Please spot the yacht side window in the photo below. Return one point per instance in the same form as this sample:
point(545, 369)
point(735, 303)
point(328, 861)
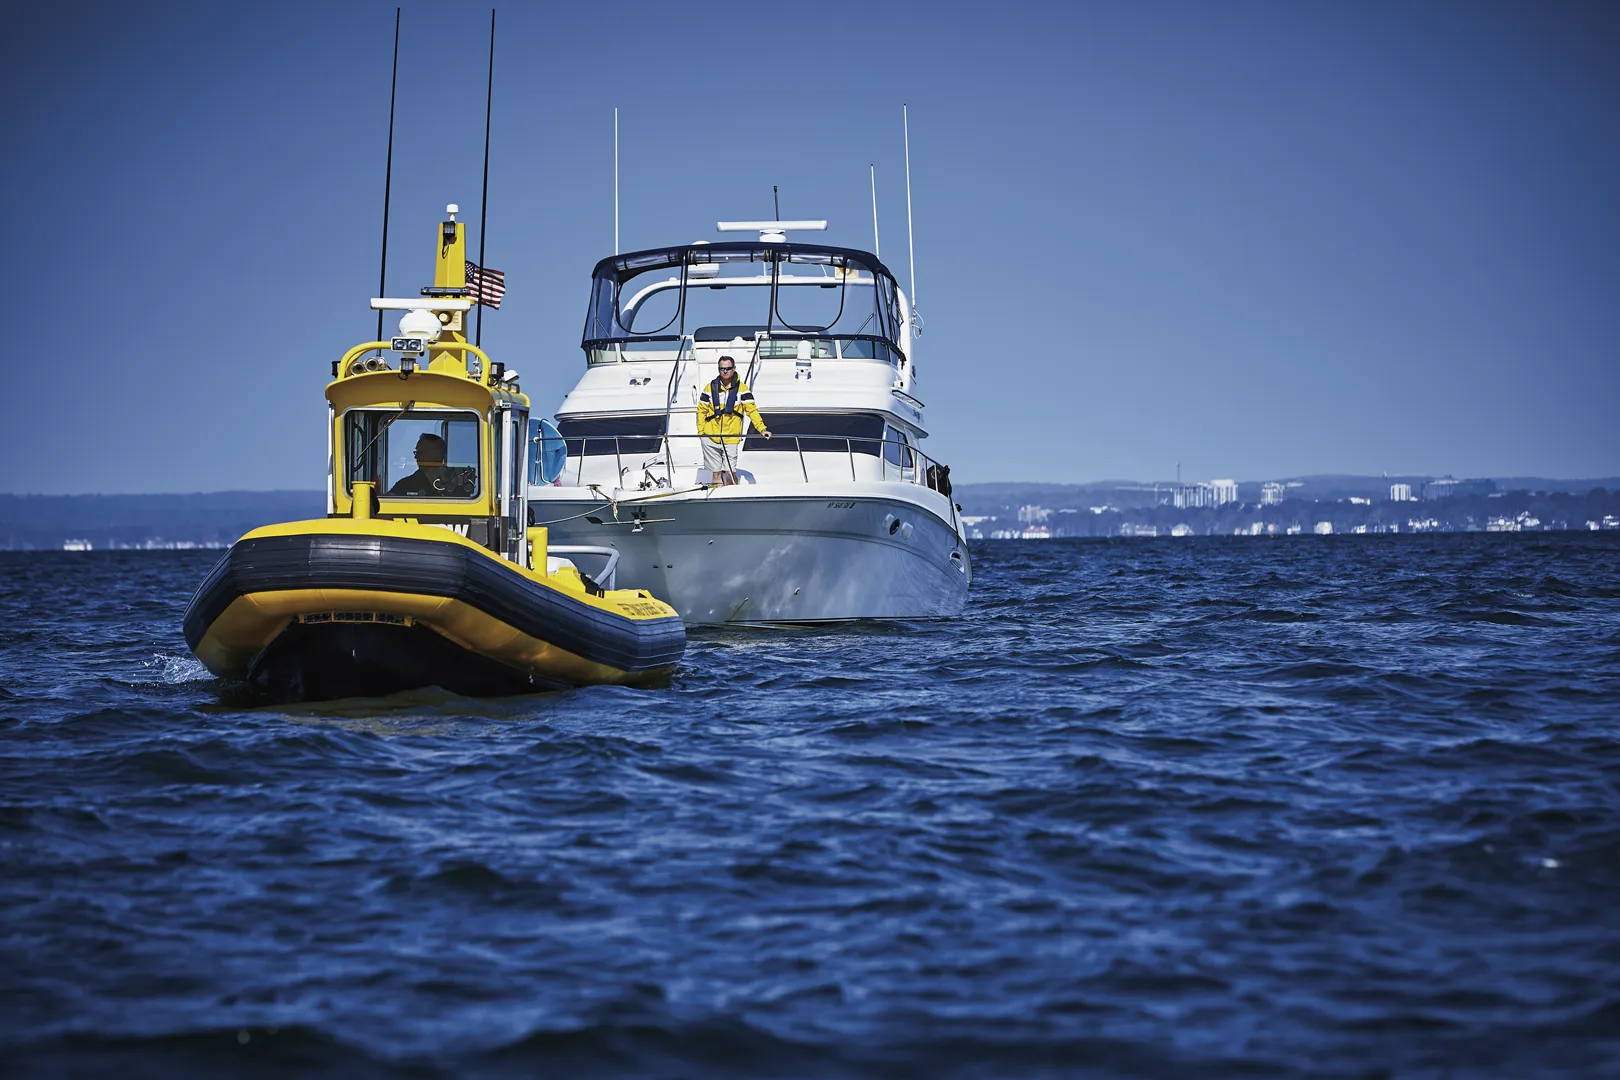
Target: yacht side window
point(420, 454)
point(897, 447)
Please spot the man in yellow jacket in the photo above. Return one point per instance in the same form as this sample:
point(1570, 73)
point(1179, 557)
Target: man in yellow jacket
point(720, 411)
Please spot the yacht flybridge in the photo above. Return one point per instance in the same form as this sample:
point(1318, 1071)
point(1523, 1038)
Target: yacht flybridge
point(840, 515)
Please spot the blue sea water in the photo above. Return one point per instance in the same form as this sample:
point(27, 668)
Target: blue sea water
point(1322, 806)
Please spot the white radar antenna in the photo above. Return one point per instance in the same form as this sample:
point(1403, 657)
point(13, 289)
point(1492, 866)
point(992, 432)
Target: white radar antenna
point(771, 232)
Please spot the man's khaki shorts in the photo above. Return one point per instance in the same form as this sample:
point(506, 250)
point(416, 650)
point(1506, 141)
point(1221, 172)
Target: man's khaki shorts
point(719, 456)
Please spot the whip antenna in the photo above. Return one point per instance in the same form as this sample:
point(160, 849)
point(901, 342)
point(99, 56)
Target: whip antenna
point(483, 211)
point(911, 244)
point(615, 180)
point(388, 175)
point(776, 202)
point(877, 245)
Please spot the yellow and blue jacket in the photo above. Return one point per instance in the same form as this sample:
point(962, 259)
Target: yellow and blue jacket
point(721, 410)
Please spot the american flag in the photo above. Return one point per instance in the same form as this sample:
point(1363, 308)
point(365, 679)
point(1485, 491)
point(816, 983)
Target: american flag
point(488, 286)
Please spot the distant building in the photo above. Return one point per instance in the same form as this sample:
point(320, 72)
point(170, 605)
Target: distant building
point(1271, 494)
point(1447, 486)
point(1443, 488)
point(1223, 491)
point(1400, 493)
point(1324, 528)
point(1192, 496)
point(1032, 514)
point(1525, 521)
point(1182, 529)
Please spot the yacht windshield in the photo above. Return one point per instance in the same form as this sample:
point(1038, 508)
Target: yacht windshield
point(644, 303)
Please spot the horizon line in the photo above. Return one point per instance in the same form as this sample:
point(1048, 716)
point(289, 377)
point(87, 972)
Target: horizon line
point(1111, 481)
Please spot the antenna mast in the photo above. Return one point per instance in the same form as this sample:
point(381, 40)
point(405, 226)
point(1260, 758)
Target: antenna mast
point(911, 245)
point(615, 180)
point(776, 203)
point(388, 176)
point(483, 211)
point(877, 245)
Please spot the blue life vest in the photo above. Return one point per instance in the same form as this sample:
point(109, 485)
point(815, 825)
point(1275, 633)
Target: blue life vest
point(730, 406)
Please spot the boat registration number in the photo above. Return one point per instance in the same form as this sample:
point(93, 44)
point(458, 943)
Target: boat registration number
point(840, 506)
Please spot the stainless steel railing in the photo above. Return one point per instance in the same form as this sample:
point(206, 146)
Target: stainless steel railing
point(909, 464)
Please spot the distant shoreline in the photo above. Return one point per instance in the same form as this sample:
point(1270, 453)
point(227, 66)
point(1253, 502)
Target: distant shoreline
point(1317, 505)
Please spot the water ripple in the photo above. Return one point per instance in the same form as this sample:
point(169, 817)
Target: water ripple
point(1334, 807)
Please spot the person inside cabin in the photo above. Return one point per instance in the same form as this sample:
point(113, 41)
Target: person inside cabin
point(721, 408)
point(429, 479)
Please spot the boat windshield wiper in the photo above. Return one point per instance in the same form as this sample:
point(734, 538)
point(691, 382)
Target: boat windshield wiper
point(359, 459)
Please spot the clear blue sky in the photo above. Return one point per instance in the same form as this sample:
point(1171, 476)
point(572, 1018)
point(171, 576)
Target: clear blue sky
point(1264, 239)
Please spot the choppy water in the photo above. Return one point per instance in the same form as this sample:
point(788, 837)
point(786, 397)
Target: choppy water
point(1322, 806)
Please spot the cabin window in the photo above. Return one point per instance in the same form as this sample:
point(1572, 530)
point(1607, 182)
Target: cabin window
point(605, 436)
point(866, 349)
point(841, 432)
point(897, 448)
point(796, 349)
point(416, 454)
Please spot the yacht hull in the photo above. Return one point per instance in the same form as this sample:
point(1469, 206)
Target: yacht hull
point(745, 555)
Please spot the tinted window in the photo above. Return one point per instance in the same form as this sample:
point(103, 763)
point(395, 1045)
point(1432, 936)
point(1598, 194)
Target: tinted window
point(896, 448)
point(607, 435)
point(863, 432)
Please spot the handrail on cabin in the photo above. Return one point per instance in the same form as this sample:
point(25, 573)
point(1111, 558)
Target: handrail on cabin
point(915, 473)
point(669, 399)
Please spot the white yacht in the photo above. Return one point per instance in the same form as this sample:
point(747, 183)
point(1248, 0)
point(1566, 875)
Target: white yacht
point(841, 515)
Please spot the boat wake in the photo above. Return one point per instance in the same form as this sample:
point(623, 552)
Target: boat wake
point(172, 669)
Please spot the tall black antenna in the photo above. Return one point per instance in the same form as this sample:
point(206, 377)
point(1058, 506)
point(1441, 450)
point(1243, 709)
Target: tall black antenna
point(388, 178)
point(483, 211)
point(776, 202)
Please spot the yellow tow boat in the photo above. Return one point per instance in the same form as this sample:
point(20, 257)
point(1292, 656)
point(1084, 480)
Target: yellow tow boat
point(426, 571)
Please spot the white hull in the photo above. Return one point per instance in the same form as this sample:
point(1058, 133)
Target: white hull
point(795, 554)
